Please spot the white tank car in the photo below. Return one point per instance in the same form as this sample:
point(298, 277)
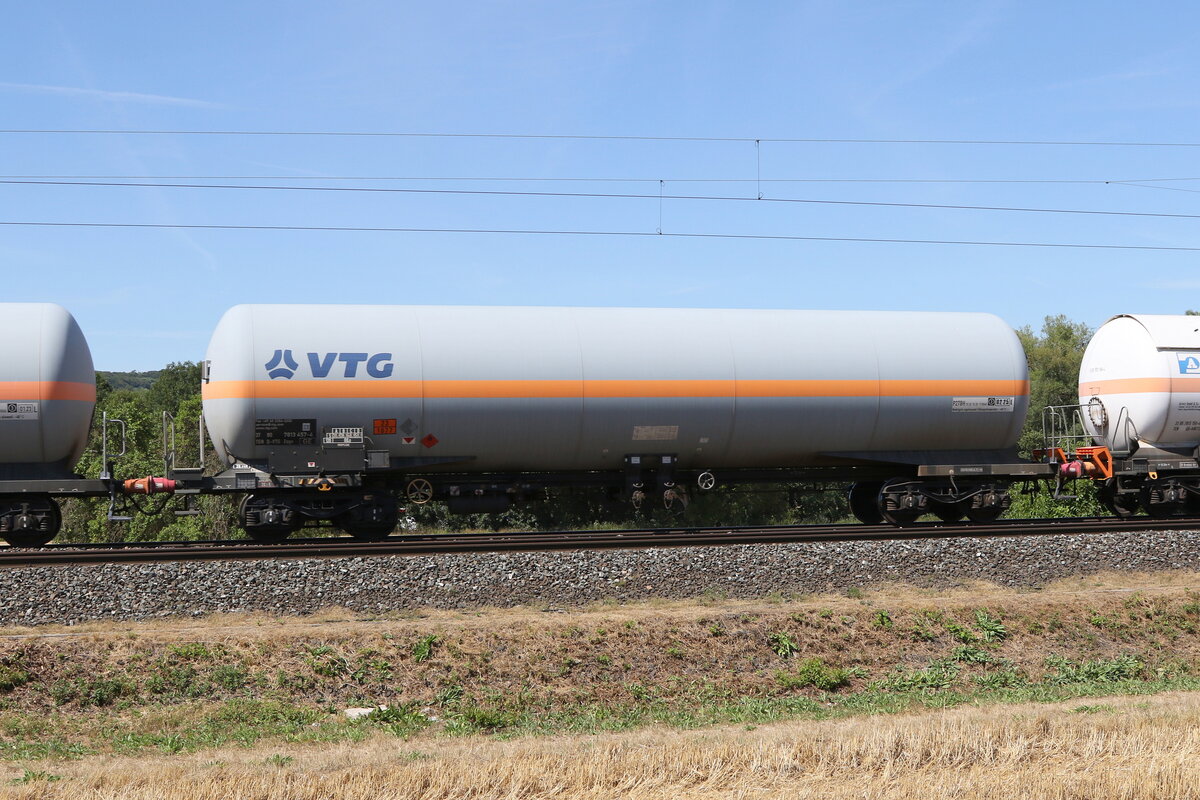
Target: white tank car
point(47, 391)
point(1139, 383)
point(578, 389)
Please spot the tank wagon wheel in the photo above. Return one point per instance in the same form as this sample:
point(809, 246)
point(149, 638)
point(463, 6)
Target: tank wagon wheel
point(369, 531)
point(864, 503)
point(373, 520)
point(949, 512)
point(989, 504)
point(264, 521)
point(985, 514)
point(1163, 498)
point(32, 539)
point(419, 491)
point(34, 525)
point(901, 501)
point(1119, 505)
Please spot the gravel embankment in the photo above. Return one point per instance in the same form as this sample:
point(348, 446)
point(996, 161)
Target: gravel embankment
point(41, 595)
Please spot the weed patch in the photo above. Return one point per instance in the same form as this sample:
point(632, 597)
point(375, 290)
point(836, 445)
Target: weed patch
point(813, 672)
point(423, 649)
point(1122, 668)
point(783, 644)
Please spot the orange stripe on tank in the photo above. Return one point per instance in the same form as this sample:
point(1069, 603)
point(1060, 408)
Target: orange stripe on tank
point(502, 389)
point(603, 387)
point(32, 391)
point(222, 390)
point(608, 388)
point(950, 388)
point(1138, 386)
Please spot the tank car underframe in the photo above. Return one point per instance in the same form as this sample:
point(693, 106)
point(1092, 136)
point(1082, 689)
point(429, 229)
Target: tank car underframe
point(902, 501)
point(272, 516)
point(29, 513)
point(366, 502)
point(1161, 487)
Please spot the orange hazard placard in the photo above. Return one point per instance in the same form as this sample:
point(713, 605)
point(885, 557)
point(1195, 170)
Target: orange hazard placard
point(384, 427)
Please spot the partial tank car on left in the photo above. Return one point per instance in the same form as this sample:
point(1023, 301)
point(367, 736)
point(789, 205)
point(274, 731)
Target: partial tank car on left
point(47, 396)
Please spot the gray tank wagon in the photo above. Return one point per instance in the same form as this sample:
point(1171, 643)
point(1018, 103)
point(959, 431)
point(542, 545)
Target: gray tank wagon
point(328, 411)
point(1136, 429)
point(47, 395)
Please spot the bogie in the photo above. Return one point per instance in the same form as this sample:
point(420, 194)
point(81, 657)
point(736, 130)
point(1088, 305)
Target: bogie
point(29, 521)
point(1122, 504)
point(902, 501)
point(1163, 498)
point(267, 520)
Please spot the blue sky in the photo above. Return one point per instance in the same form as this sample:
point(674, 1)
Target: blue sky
point(1067, 71)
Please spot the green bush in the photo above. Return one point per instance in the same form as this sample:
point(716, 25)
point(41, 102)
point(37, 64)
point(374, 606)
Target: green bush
point(191, 651)
point(1008, 678)
point(423, 648)
point(993, 629)
point(477, 719)
point(229, 677)
point(177, 681)
point(783, 644)
point(398, 719)
point(938, 675)
point(967, 654)
point(89, 692)
point(1122, 668)
point(11, 678)
point(815, 673)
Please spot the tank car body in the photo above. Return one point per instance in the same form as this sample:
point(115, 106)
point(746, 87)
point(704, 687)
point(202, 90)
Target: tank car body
point(47, 396)
point(1139, 383)
point(576, 389)
point(47, 391)
point(1139, 402)
point(320, 390)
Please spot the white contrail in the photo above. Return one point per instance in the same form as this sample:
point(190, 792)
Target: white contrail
point(120, 97)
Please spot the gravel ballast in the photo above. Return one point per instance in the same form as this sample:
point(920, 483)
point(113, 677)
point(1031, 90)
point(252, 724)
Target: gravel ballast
point(49, 595)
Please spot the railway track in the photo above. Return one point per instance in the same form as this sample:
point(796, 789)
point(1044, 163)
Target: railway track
point(432, 544)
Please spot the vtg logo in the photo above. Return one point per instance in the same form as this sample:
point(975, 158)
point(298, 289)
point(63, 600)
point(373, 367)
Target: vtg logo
point(283, 365)
point(1189, 364)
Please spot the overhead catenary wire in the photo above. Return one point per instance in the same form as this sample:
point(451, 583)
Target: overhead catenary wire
point(594, 179)
point(608, 195)
point(536, 232)
point(1142, 185)
point(596, 137)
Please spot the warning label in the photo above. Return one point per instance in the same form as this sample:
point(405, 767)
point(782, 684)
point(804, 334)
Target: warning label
point(18, 410)
point(984, 404)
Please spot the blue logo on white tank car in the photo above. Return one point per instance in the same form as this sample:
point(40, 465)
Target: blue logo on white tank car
point(283, 364)
point(1189, 363)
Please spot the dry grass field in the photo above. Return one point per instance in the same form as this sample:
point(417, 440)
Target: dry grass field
point(1086, 689)
point(1127, 748)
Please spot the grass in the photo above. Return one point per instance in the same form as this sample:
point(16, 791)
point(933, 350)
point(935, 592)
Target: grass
point(1112, 747)
point(275, 686)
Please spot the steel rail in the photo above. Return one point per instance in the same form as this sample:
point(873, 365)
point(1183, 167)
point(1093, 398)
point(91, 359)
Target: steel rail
point(432, 544)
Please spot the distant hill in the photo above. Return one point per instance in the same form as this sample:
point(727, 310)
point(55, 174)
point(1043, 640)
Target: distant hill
point(131, 380)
